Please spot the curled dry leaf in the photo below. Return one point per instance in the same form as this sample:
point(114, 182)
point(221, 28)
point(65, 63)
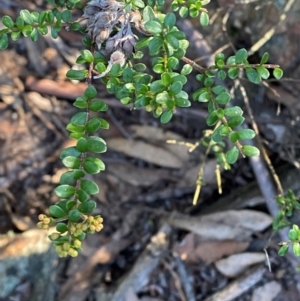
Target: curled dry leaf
point(231, 224)
point(234, 265)
point(266, 292)
point(144, 151)
point(192, 250)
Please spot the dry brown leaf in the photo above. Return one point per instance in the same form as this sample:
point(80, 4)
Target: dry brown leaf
point(130, 295)
point(144, 151)
point(138, 176)
point(231, 224)
point(152, 133)
point(159, 137)
point(234, 265)
point(266, 292)
point(191, 250)
point(209, 175)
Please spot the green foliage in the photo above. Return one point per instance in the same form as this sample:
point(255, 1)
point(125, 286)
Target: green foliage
point(160, 92)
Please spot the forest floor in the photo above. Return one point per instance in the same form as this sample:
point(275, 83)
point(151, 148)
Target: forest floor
point(155, 245)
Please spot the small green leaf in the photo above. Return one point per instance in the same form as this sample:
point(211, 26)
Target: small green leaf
point(138, 3)
point(153, 26)
point(155, 45)
point(71, 162)
point(56, 211)
point(20, 22)
point(283, 250)
point(170, 20)
point(71, 204)
point(212, 119)
point(148, 13)
point(82, 196)
point(182, 102)
point(218, 89)
point(250, 151)
point(241, 55)
point(43, 29)
point(204, 97)
point(98, 106)
point(87, 56)
point(42, 17)
point(235, 121)
point(194, 11)
point(232, 155)
point(34, 35)
point(263, 72)
point(96, 144)
point(7, 21)
point(87, 207)
point(158, 68)
point(80, 103)
point(15, 35)
point(54, 32)
point(172, 40)
point(233, 111)
point(142, 42)
point(74, 215)
point(246, 134)
point(233, 72)
point(186, 69)
point(64, 191)
point(89, 187)
point(77, 174)
point(27, 29)
point(234, 137)
point(61, 227)
point(166, 116)
point(253, 76)
point(166, 78)
point(76, 74)
point(90, 92)
point(172, 63)
point(3, 42)
point(204, 19)
point(264, 58)
point(26, 16)
point(183, 12)
point(93, 165)
point(223, 98)
point(66, 16)
point(79, 118)
point(296, 248)
point(93, 125)
point(70, 151)
point(277, 73)
point(81, 146)
point(175, 88)
point(293, 234)
point(222, 74)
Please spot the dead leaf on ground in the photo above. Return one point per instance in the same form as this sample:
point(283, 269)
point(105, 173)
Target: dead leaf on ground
point(234, 265)
point(192, 250)
point(130, 295)
point(138, 176)
point(231, 224)
point(159, 136)
point(266, 292)
point(152, 133)
point(144, 151)
point(209, 175)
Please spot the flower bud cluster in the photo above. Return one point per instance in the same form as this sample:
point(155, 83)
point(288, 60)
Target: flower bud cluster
point(70, 244)
point(44, 221)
